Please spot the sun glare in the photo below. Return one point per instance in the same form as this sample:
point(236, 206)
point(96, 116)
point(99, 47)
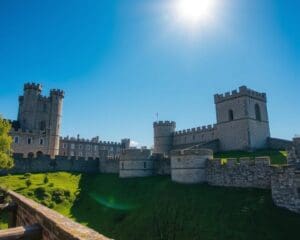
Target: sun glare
point(195, 11)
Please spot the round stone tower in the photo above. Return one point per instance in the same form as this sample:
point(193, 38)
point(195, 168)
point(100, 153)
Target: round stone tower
point(56, 98)
point(163, 137)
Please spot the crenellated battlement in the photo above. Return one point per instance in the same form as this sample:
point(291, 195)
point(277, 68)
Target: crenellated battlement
point(33, 86)
point(206, 128)
point(164, 123)
point(93, 140)
point(243, 91)
point(57, 92)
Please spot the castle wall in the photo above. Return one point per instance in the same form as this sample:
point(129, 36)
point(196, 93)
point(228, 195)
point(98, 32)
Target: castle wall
point(189, 166)
point(195, 136)
point(247, 173)
point(39, 141)
point(162, 165)
point(279, 144)
point(46, 164)
point(88, 148)
point(286, 187)
point(109, 165)
point(136, 163)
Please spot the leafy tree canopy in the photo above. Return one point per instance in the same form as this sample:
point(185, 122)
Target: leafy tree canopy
point(6, 160)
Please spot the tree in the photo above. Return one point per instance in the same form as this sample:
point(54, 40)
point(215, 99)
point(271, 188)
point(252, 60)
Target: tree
point(6, 160)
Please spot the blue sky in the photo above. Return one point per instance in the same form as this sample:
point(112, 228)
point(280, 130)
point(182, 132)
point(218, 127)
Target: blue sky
point(120, 62)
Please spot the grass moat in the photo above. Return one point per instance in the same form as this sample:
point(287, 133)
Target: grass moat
point(157, 208)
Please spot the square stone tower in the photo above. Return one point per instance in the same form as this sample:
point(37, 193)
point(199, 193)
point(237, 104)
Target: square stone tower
point(242, 120)
point(39, 120)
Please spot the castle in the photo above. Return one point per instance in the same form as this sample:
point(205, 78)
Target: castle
point(187, 156)
point(37, 129)
point(242, 124)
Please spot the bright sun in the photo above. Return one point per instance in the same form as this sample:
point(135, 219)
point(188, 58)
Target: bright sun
point(195, 11)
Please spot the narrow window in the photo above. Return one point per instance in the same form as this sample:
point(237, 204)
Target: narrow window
point(257, 112)
point(16, 140)
point(72, 146)
point(80, 146)
point(122, 165)
point(41, 141)
point(43, 125)
point(29, 140)
point(230, 115)
point(145, 164)
point(45, 107)
point(194, 137)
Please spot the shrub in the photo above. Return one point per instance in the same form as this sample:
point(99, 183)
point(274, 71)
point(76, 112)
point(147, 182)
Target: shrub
point(46, 179)
point(52, 205)
point(27, 175)
point(58, 195)
point(51, 185)
point(28, 182)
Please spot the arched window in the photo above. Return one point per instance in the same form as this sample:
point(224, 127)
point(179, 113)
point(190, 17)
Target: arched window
point(257, 112)
point(230, 115)
point(39, 154)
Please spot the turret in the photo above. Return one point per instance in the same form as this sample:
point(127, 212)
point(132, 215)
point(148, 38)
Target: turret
point(125, 143)
point(56, 100)
point(163, 137)
point(27, 105)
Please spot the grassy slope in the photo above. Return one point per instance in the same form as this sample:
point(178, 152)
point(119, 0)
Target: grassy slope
point(156, 208)
point(277, 157)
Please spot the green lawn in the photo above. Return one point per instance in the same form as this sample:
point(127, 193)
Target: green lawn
point(156, 208)
point(277, 157)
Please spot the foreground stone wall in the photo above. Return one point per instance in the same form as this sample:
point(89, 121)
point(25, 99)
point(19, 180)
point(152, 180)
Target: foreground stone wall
point(54, 225)
point(247, 173)
point(286, 187)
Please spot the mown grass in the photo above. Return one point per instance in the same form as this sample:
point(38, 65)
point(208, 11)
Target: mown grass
point(156, 208)
point(277, 157)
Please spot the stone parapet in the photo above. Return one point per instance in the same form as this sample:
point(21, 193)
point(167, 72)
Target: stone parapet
point(54, 225)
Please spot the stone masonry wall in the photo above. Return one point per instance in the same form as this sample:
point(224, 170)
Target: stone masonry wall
point(281, 144)
point(286, 187)
point(46, 164)
point(247, 173)
point(54, 225)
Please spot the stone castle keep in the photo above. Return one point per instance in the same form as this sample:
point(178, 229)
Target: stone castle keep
point(242, 124)
point(187, 155)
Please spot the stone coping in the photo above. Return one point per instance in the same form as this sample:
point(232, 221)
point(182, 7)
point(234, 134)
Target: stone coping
point(59, 223)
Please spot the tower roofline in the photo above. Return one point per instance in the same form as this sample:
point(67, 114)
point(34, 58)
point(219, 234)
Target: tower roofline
point(164, 123)
point(33, 86)
point(241, 92)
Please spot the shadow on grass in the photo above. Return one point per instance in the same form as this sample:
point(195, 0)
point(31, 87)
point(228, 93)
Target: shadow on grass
point(160, 209)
